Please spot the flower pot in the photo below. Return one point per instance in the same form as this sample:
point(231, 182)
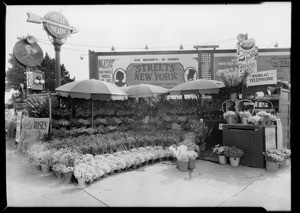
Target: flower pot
point(271, 166)
point(81, 183)
point(134, 166)
point(59, 175)
point(104, 175)
point(283, 164)
point(222, 159)
point(234, 161)
point(67, 177)
point(192, 164)
point(183, 166)
point(230, 120)
point(202, 147)
point(244, 120)
point(45, 168)
point(112, 172)
point(153, 161)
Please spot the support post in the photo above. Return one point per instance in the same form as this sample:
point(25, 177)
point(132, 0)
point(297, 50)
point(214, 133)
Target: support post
point(57, 47)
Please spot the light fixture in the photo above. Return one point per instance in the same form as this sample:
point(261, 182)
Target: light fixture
point(113, 49)
point(146, 48)
point(181, 47)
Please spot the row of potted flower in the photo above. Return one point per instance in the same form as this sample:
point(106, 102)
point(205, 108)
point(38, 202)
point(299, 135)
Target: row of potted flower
point(110, 142)
point(260, 118)
point(234, 154)
point(89, 168)
point(275, 158)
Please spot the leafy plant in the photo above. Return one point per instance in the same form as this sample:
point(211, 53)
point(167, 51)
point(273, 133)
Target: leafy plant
point(233, 152)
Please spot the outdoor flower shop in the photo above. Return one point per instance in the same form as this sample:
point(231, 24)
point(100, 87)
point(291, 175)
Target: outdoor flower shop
point(92, 139)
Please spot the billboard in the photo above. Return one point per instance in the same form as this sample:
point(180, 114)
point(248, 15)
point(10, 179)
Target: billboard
point(267, 60)
point(166, 70)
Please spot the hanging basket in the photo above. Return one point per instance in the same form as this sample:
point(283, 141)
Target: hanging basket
point(237, 106)
point(233, 101)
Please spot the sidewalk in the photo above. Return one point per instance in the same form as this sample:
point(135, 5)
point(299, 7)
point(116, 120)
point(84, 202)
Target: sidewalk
point(160, 184)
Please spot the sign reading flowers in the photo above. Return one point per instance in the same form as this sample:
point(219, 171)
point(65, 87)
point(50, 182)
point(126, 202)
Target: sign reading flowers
point(33, 129)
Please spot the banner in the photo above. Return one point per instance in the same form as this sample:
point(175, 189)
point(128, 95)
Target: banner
point(33, 129)
point(246, 54)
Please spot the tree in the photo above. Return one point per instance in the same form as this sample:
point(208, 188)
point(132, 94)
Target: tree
point(16, 75)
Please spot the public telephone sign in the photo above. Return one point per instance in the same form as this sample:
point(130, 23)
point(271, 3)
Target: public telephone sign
point(56, 25)
point(262, 78)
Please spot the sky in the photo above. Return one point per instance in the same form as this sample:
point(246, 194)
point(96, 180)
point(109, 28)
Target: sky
point(160, 27)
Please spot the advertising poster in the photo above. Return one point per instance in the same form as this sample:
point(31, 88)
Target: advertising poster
point(105, 70)
point(166, 70)
point(246, 56)
point(33, 129)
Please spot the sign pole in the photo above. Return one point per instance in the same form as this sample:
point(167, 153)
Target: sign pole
point(27, 90)
point(57, 47)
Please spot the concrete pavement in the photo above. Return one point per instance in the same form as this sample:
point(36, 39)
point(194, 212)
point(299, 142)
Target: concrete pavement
point(208, 185)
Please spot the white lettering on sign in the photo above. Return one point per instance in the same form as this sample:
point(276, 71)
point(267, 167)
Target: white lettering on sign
point(57, 18)
point(262, 78)
point(58, 30)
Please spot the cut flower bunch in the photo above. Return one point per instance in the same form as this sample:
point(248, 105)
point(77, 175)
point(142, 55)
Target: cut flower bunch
point(182, 153)
point(219, 150)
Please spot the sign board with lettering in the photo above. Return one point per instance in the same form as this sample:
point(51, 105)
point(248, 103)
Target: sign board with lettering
point(262, 78)
point(270, 137)
point(246, 56)
point(56, 25)
point(18, 125)
point(166, 70)
point(29, 55)
point(33, 129)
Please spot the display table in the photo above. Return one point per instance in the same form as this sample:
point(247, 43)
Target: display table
point(253, 140)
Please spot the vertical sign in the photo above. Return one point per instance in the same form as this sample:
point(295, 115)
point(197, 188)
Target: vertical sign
point(29, 77)
point(270, 137)
point(106, 70)
point(18, 127)
point(246, 56)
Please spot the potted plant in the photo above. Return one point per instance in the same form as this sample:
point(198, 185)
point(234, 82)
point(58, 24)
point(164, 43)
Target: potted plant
point(273, 159)
point(83, 123)
point(244, 116)
point(254, 120)
point(63, 124)
point(73, 124)
point(182, 157)
point(220, 151)
point(234, 155)
point(201, 132)
point(229, 116)
point(286, 153)
point(264, 117)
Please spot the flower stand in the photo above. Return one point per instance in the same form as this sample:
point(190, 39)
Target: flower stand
point(271, 166)
point(222, 159)
point(183, 166)
point(67, 177)
point(81, 183)
point(45, 168)
point(192, 164)
point(234, 161)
